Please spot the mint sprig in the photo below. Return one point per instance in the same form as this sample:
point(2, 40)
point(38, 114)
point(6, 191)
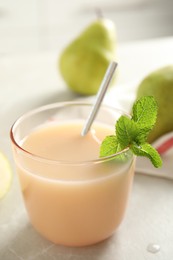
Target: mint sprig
point(132, 132)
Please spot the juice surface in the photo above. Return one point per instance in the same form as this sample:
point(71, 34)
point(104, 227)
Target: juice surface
point(78, 204)
point(64, 142)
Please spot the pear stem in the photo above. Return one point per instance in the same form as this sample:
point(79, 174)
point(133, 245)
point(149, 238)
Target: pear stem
point(101, 93)
point(99, 13)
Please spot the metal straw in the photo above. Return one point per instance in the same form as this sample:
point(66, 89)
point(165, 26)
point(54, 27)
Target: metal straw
point(101, 93)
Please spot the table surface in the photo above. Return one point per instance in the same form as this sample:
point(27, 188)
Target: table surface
point(31, 80)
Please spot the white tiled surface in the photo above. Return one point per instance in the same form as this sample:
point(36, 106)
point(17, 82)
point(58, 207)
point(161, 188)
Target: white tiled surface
point(39, 25)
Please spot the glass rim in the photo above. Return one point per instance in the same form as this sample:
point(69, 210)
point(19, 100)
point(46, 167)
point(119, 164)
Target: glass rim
point(62, 162)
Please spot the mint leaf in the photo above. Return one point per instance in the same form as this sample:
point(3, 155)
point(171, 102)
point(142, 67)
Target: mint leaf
point(132, 133)
point(148, 151)
point(142, 135)
point(110, 146)
point(126, 131)
point(144, 115)
point(145, 112)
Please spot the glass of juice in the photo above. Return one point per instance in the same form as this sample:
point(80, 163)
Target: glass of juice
point(72, 196)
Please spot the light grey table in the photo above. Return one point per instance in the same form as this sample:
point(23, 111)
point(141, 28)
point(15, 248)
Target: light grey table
point(28, 81)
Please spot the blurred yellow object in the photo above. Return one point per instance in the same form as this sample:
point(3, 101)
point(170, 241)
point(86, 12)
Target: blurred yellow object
point(5, 175)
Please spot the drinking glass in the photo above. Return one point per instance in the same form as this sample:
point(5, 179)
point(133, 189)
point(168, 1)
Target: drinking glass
point(72, 203)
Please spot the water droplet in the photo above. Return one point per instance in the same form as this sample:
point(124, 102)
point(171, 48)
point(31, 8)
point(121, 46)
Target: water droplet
point(153, 248)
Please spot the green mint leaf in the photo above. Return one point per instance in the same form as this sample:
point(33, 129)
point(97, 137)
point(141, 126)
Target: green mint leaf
point(132, 133)
point(145, 112)
point(142, 135)
point(148, 151)
point(110, 146)
point(126, 131)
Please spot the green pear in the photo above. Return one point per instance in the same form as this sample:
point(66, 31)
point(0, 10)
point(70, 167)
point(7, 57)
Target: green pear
point(83, 62)
point(160, 85)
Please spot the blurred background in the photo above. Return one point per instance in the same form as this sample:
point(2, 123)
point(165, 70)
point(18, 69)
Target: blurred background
point(43, 25)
